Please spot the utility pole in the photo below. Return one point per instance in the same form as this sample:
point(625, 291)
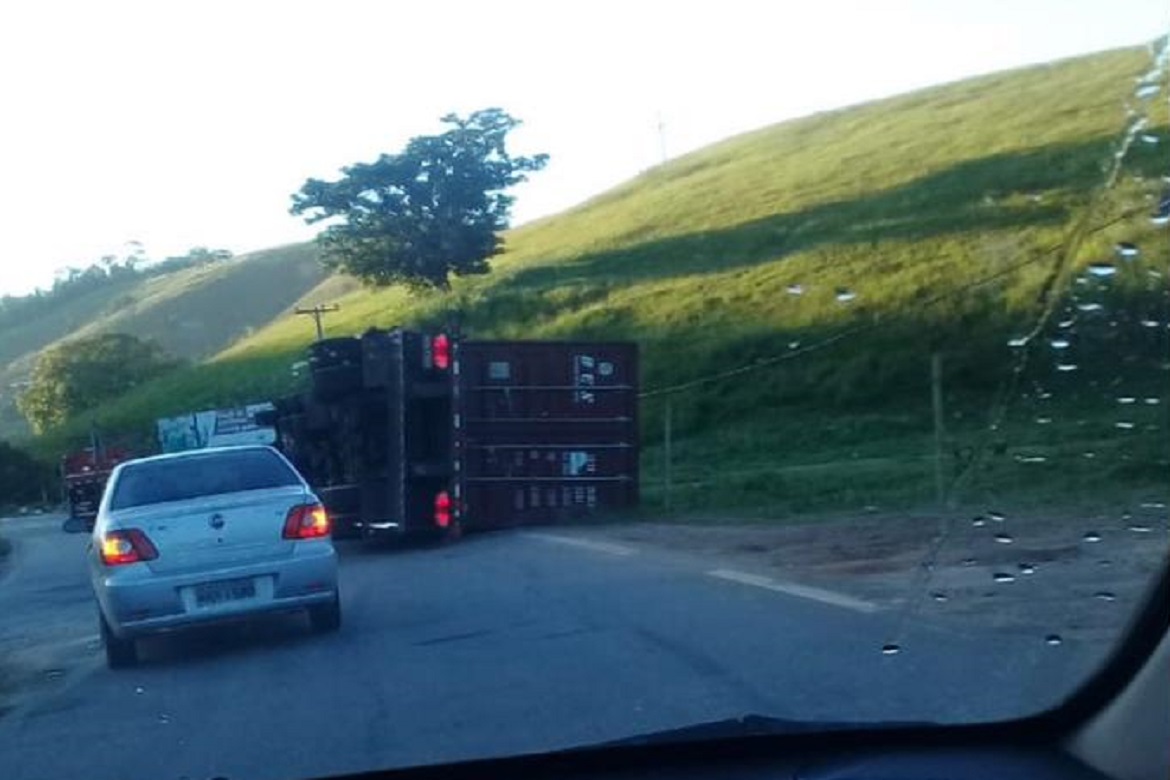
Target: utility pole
point(936, 398)
point(317, 312)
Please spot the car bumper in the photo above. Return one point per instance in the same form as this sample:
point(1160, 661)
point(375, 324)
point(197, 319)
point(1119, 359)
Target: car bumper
point(167, 603)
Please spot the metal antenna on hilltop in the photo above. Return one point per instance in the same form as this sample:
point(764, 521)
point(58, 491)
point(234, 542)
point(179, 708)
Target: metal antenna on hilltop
point(661, 138)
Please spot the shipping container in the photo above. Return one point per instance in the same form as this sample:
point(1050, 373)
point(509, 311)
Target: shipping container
point(402, 432)
point(545, 431)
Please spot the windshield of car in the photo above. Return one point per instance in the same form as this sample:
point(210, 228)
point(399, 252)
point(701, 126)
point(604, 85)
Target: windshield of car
point(655, 364)
point(177, 479)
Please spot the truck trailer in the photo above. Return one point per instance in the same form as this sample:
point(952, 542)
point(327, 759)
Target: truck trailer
point(407, 433)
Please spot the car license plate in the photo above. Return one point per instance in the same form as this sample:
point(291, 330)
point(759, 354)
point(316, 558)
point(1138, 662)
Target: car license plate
point(209, 594)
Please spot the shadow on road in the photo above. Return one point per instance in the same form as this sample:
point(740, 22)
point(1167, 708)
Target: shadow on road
point(200, 645)
point(418, 545)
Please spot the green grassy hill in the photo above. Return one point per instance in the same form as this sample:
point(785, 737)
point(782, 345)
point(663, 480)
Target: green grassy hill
point(944, 220)
point(194, 313)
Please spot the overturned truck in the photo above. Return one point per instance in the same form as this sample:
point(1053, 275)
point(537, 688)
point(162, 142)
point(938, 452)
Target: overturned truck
point(402, 432)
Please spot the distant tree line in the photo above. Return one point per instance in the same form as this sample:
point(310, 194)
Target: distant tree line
point(22, 478)
point(108, 271)
point(81, 373)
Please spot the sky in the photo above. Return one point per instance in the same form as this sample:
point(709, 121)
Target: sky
point(181, 124)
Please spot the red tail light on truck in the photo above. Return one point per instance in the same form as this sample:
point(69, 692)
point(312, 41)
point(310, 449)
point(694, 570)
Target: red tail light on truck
point(307, 521)
point(441, 352)
point(129, 546)
point(443, 509)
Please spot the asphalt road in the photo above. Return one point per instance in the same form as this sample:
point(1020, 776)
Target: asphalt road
point(505, 643)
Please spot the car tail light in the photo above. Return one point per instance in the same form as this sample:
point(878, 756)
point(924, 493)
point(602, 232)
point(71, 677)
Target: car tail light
point(443, 509)
point(441, 352)
point(129, 546)
point(307, 521)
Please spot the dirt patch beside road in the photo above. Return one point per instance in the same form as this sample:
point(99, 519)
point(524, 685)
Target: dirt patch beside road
point(1061, 575)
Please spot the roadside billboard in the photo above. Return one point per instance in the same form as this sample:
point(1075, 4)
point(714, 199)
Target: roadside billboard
point(214, 428)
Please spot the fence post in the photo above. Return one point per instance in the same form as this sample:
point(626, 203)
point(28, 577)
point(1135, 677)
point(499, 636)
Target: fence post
point(937, 403)
point(667, 456)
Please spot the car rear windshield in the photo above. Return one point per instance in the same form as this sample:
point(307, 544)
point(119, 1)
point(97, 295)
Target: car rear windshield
point(159, 481)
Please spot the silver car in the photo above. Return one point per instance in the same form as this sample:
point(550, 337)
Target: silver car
point(205, 536)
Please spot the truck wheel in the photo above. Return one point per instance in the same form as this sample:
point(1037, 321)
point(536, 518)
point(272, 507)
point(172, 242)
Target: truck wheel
point(120, 653)
point(326, 618)
point(335, 352)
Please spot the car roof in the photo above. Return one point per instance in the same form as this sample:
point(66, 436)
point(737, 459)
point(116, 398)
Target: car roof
point(200, 453)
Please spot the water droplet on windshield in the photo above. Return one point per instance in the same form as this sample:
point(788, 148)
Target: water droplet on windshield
point(1105, 595)
point(1027, 568)
point(1091, 537)
point(1065, 368)
point(1052, 640)
point(1059, 343)
point(796, 289)
point(1003, 538)
point(1102, 270)
point(1018, 341)
point(1003, 576)
point(891, 649)
point(1147, 91)
point(1127, 250)
point(1093, 306)
point(845, 296)
point(1124, 425)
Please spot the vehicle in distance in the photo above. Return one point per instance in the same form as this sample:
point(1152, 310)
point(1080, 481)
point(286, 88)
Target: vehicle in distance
point(206, 536)
point(84, 475)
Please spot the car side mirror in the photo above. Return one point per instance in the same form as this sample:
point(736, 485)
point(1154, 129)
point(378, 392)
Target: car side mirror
point(74, 525)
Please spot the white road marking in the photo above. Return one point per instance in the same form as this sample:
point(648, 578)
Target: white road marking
point(602, 547)
point(792, 589)
point(743, 578)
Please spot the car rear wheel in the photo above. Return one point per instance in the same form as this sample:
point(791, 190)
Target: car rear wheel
point(326, 618)
point(120, 653)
